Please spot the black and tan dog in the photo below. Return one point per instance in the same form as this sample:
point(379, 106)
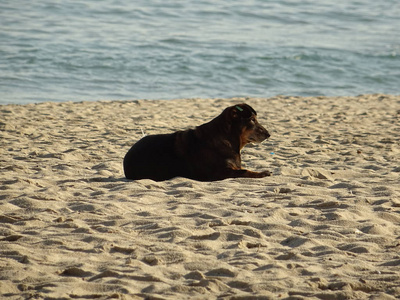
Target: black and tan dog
point(207, 153)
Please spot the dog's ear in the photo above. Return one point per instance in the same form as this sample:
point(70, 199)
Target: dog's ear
point(242, 111)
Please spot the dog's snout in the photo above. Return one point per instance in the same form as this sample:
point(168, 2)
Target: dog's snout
point(262, 131)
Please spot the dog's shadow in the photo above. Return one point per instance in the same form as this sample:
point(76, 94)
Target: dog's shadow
point(94, 179)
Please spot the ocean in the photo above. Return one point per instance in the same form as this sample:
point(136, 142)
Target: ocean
point(152, 49)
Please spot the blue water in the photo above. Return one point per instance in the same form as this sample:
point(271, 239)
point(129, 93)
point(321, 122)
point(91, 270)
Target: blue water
point(153, 49)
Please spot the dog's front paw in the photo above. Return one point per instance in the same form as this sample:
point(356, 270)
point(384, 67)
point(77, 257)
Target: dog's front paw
point(265, 173)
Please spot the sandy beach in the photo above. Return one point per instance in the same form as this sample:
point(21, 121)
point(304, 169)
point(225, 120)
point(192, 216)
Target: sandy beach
point(326, 225)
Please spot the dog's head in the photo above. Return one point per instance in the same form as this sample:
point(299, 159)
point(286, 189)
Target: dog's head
point(244, 118)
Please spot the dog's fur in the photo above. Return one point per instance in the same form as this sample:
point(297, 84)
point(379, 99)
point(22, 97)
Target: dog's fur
point(207, 153)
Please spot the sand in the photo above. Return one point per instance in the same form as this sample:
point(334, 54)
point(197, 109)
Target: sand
point(324, 226)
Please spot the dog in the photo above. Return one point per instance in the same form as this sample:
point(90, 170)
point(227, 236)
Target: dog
point(209, 152)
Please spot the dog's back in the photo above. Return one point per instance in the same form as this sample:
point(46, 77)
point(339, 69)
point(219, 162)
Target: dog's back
point(153, 157)
point(165, 156)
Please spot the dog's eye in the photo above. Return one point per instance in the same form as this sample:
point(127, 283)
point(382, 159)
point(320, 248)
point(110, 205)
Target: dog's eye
point(252, 122)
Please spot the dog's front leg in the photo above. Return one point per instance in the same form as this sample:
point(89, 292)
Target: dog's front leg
point(248, 174)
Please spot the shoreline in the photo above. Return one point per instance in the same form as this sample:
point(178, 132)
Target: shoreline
point(324, 226)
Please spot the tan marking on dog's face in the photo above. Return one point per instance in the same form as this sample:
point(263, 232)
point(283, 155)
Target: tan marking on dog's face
point(252, 132)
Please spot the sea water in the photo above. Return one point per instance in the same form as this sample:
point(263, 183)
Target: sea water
point(157, 49)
